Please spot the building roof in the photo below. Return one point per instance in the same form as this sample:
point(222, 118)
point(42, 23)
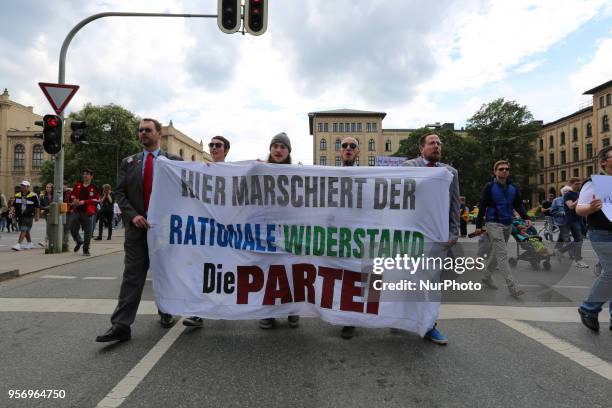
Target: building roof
point(342, 112)
point(580, 112)
point(598, 88)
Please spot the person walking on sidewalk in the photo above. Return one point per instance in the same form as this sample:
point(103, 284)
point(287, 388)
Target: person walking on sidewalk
point(219, 148)
point(600, 234)
point(573, 224)
point(27, 209)
point(498, 201)
point(133, 193)
point(105, 214)
point(85, 198)
point(46, 198)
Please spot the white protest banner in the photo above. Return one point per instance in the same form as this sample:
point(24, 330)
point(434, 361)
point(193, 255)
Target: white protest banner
point(389, 161)
point(256, 240)
point(603, 190)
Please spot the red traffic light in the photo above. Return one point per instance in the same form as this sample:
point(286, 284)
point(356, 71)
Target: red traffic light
point(52, 121)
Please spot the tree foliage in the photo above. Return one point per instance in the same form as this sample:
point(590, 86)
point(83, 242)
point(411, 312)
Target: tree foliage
point(111, 134)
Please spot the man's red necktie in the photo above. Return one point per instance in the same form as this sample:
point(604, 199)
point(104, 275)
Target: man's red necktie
point(148, 180)
point(430, 164)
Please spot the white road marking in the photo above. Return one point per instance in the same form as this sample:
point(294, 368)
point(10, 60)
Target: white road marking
point(57, 277)
point(100, 278)
point(580, 357)
point(125, 387)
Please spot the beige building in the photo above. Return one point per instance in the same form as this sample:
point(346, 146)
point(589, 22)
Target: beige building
point(21, 154)
point(568, 147)
point(176, 142)
point(328, 128)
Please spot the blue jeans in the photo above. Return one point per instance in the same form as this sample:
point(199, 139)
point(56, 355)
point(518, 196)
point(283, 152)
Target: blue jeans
point(574, 248)
point(601, 291)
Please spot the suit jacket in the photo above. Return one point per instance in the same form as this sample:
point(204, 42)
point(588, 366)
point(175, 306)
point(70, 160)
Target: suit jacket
point(130, 193)
point(453, 192)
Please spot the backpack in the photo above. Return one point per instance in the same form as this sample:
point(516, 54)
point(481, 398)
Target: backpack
point(557, 211)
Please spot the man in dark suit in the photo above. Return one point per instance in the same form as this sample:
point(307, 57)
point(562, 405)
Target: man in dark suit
point(430, 147)
point(132, 194)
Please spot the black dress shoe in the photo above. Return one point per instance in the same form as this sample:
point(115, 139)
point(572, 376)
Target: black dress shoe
point(167, 320)
point(589, 321)
point(98, 239)
point(78, 246)
point(115, 333)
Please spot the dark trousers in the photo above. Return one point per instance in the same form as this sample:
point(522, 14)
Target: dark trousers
point(81, 220)
point(573, 248)
point(136, 265)
point(463, 227)
point(105, 218)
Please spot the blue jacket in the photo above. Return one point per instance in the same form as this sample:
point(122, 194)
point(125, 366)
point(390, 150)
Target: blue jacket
point(498, 203)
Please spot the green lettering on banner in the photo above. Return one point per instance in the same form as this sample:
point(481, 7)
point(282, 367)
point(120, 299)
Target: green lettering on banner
point(293, 239)
point(318, 245)
point(331, 241)
point(344, 244)
point(384, 246)
point(397, 242)
point(418, 244)
point(358, 237)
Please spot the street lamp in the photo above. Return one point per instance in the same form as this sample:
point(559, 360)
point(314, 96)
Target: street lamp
point(86, 142)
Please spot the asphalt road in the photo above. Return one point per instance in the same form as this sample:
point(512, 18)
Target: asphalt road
point(235, 364)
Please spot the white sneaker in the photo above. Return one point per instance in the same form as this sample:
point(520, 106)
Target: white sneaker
point(28, 246)
point(16, 247)
point(580, 264)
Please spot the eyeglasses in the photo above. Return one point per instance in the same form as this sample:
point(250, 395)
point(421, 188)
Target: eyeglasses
point(503, 169)
point(215, 145)
point(351, 145)
point(145, 130)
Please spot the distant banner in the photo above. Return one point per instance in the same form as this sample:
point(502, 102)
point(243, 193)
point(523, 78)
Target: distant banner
point(253, 240)
point(388, 161)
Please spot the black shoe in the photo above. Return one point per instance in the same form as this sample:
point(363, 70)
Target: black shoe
point(98, 239)
point(167, 320)
point(294, 320)
point(78, 246)
point(86, 252)
point(266, 323)
point(115, 333)
point(347, 332)
point(589, 321)
point(193, 321)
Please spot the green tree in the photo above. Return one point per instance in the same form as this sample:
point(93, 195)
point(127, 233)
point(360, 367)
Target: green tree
point(459, 151)
point(111, 134)
point(505, 130)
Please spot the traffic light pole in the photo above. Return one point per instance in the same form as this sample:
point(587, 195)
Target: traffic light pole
point(56, 235)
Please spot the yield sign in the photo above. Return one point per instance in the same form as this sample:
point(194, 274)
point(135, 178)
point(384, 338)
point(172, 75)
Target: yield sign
point(58, 95)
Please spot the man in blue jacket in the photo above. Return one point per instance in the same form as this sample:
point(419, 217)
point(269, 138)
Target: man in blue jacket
point(498, 200)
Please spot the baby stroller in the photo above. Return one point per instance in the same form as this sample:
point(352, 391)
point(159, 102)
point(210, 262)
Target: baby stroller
point(528, 240)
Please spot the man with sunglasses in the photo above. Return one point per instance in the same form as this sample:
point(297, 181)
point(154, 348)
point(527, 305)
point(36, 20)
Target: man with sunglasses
point(219, 148)
point(133, 193)
point(430, 147)
point(498, 201)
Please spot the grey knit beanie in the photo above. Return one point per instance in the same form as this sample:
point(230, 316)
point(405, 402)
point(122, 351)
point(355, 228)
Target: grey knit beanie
point(281, 138)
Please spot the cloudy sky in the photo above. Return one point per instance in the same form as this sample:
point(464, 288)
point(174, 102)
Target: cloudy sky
point(419, 61)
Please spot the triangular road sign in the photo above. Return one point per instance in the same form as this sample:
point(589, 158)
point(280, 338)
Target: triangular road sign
point(58, 95)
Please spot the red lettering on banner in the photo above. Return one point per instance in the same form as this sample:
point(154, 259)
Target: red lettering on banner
point(373, 295)
point(330, 275)
point(350, 290)
point(277, 277)
point(304, 276)
point(246, 285)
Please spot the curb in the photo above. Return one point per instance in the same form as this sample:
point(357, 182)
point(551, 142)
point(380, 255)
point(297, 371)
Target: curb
point(5, 275)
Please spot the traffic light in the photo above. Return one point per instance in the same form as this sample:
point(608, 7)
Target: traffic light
point(256, 16)
point(78, 131)
point(228, 15)
point(52, 134)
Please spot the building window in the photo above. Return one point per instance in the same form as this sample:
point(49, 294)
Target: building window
point(388, 146)
point(368, 127)
point(335, 127)
point(337, 145)
point(576, 173)
point(323, 144)
point(562, 141)
point(541, 179)
point(589, 132)
point(359, 127)
point(551, 141)
point(601, 102)
point(320, 127)
point(374, 127)
point(193, 157)
point(563, 157)
point(347, 127)
point(181, 153)
point(589, 151)
point(552, 177)
point(605, 123)
point(353, 127)
point(551, 159)
point(371, 145)
point(609, 99)
point(338, 162)
point(541, 162)
point(357, 161)
point(541, 144)
point(371, 161)
point(326, 127)
point(340, 127)
point(576, 154)
point(19, 163)
point(37, 157)
point(563, 175)
point(323, 160)
point(605, 142)
point(589, 171)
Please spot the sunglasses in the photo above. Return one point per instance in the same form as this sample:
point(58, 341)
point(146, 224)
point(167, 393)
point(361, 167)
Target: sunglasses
point(145, 130)
point(215, 145)
point(351, 145)
point(503, 169)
